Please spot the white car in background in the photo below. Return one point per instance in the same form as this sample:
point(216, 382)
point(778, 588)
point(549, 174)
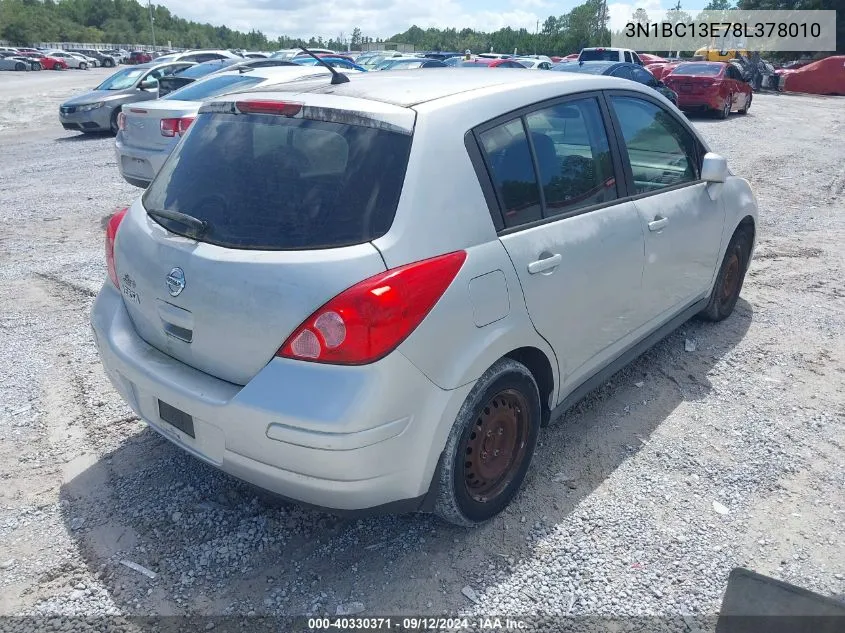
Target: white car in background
point(535, 63)
point(91, 61)
point(198, 56)
point(72, 60)
point(148, 132)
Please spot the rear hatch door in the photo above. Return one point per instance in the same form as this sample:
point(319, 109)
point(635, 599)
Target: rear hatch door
point(291, 204)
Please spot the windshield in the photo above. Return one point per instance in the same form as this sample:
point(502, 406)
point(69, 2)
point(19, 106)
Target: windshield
point(122, 79)
point(599, 54)
point(279, 183)
point(705, 70)
point(284, 54)
point(212, 87)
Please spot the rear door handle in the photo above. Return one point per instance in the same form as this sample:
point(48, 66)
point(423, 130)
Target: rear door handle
point(545, 264)
point(658, 223)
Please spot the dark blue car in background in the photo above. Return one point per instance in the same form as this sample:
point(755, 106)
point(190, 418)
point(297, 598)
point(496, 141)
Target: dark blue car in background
point(625, 70)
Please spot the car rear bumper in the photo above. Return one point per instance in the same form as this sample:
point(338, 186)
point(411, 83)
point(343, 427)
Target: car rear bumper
point(139, 165)
point(699, 102)
point(344, 438)
point(98, 120)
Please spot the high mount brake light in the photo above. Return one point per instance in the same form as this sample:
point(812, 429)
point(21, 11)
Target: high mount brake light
point(366, 322)
point(267, 106)
point(111, 234)
point(175, 127)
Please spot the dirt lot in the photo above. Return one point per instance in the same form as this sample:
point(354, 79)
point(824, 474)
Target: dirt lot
point(640, 501)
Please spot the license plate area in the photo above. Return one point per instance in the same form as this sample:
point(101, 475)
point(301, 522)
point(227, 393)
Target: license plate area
point(176, 418)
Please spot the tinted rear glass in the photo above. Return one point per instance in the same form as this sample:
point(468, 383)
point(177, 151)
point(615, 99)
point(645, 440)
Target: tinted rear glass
point(276, 183)
point(706, 70)
point(599, 55)
point(577, 67)
point(201, 70)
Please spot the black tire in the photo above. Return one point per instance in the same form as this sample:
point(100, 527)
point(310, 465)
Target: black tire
point(20, 66)
point(725, 112)
point(113, 121)
point(108, 63)
point(506, 402)
point(83, 66)
point(729, 281)
point(747, 105)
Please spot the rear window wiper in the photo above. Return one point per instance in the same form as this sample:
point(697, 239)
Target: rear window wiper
point(198, 227)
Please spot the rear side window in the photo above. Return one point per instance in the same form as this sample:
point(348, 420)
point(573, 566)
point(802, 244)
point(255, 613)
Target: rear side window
point(573, 156)
point(661, 151)
point(276, 183)
point(509, 158)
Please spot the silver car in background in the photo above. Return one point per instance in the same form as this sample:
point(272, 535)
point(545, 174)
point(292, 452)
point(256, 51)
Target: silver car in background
point(373, 294)
point(97, 110)
point(148, 132)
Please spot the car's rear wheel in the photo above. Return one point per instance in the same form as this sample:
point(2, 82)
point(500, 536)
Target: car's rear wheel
point(490, 446)
point(83, 66)
point(747, 105)
point(37, 66)
point(731, 275)
point(108, 63)
point(725, 112)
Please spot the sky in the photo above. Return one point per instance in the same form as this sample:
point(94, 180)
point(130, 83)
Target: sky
point(383, 18)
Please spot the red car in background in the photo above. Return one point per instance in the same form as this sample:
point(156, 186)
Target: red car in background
point(486, 62)
point(710, 86)
point(661, 69)
point(823, 77)
point(139, 57)
point(648, 58)
point(47, 62)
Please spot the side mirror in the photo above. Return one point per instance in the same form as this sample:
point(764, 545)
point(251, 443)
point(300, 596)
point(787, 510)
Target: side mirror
point(148, 84)
point(714, 168)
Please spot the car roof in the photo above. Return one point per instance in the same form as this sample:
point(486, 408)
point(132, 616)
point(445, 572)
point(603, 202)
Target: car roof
point(406, 88)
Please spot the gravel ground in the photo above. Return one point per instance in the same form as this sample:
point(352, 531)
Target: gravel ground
point(641, 499)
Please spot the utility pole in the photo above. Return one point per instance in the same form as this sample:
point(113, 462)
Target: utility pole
point(152, 22)
point(536, 37)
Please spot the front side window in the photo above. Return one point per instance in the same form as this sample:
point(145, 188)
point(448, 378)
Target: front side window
point(573, 156)
point(509, 158)
point(662, 153)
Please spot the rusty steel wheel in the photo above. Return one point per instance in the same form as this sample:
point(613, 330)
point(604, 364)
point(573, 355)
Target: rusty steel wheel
point(731, 278)
point(489, 448)
point(495, 448)
point(728, 283)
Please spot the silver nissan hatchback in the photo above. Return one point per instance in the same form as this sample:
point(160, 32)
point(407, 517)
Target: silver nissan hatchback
point(373, 294)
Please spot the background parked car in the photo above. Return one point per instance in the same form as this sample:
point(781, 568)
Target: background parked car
point(148, 132)
point(710, 86)
point(534, 63)
point(623, 70)
point(32, 63)
point(48, 62)
point(97, 111)
point(139, 57)
point(490, 62)
point(823, 77)
point(90, 61)
point(608, 54)
point(198, 56)
point(661, 69)
point(71, 60)
point(173, 82)
point(10, 61)
point(407, 63)
point(103, 59)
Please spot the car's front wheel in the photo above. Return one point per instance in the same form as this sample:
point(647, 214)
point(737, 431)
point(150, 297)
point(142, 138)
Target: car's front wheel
point(20, 66)
point(490, 446)
point(731, 275)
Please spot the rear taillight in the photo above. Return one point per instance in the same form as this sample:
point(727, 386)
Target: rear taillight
point(111, 233)
point(121, 121)
point(369, 320)
point(175, 127)
point(266, 106)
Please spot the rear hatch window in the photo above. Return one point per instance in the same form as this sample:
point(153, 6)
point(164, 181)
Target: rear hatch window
point(271, 182)
point(599, 54)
